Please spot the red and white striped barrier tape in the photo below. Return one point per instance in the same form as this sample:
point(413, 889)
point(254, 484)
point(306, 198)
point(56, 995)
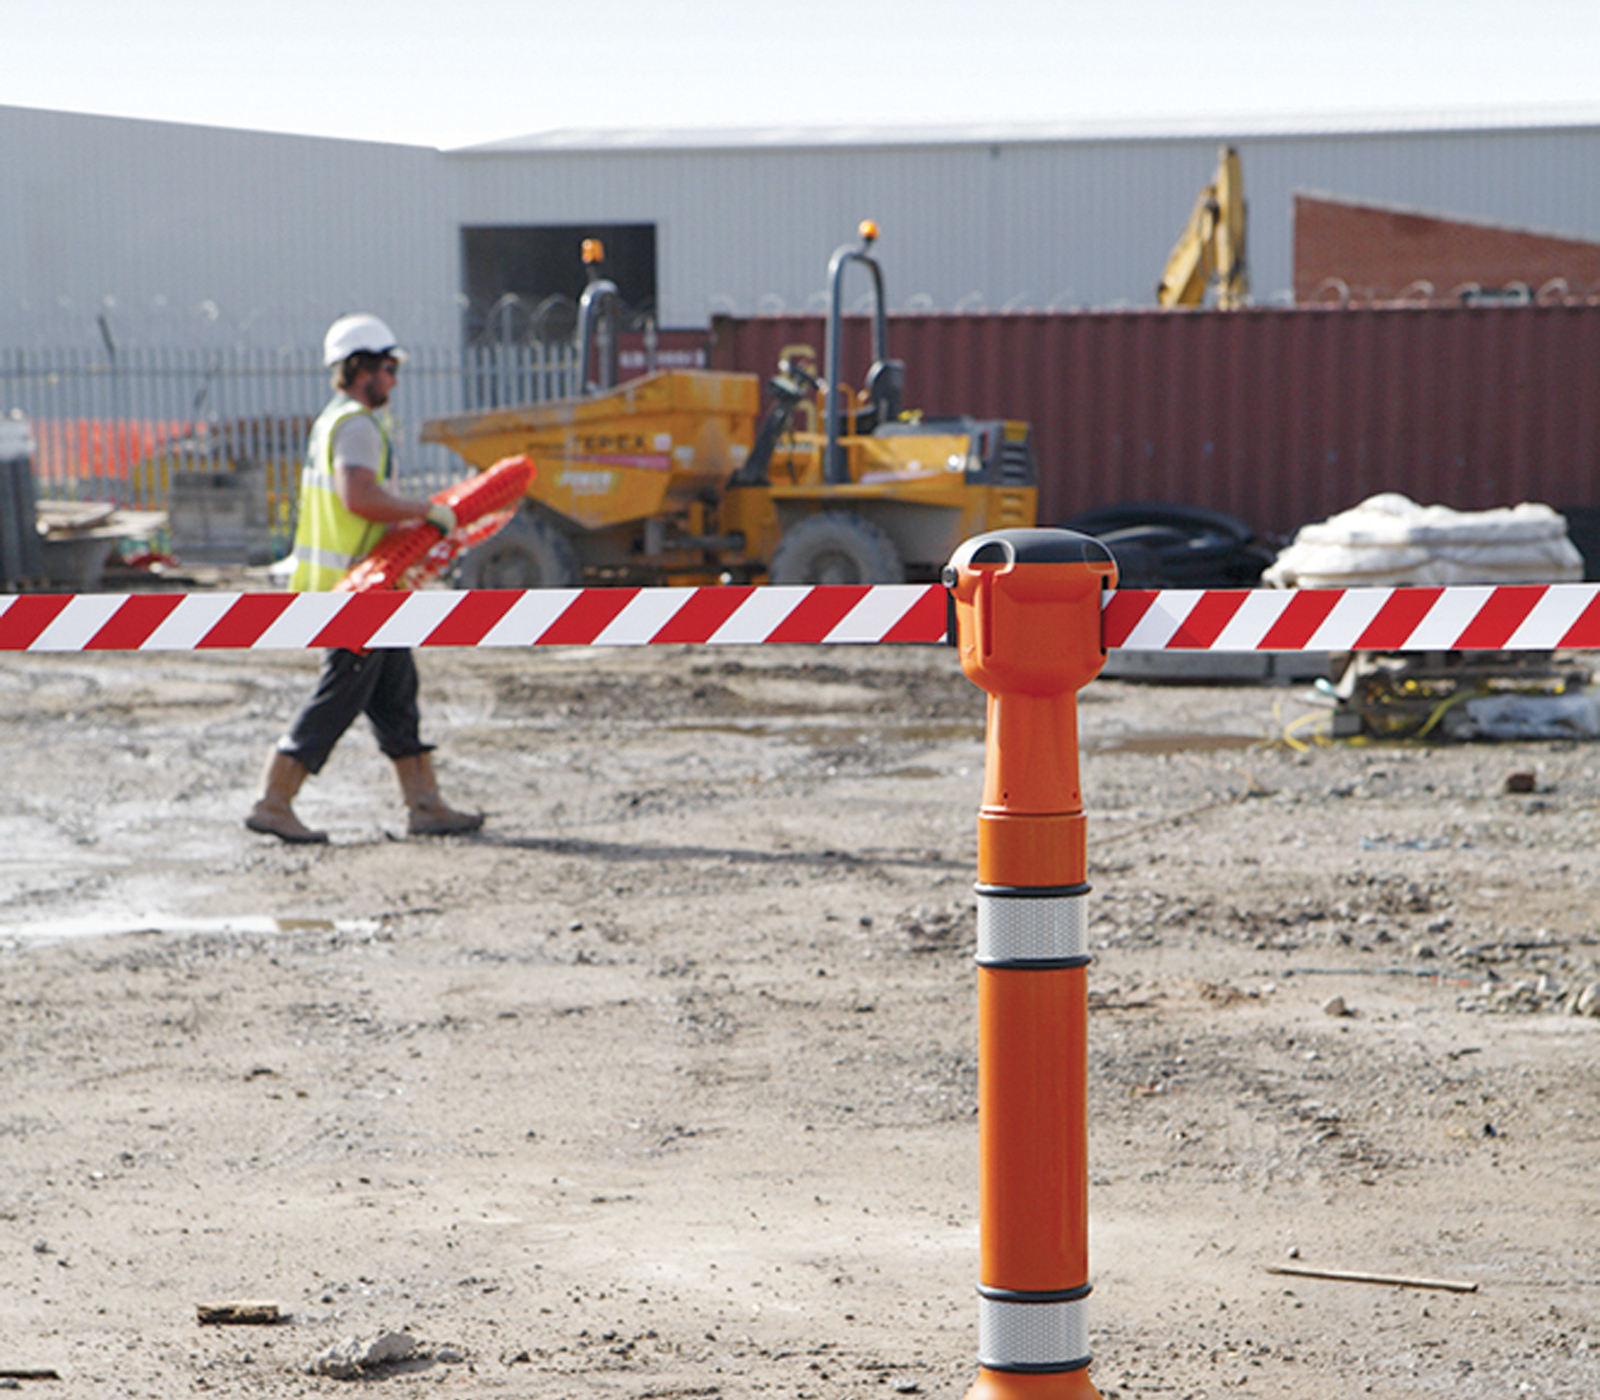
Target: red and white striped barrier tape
point(1522, 617)
point(1471, 618)
point(479, 618)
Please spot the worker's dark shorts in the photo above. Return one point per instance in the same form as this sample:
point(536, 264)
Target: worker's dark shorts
point(381, 684)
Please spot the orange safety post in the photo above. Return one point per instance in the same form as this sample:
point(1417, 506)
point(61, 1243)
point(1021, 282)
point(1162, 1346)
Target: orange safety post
point(1027, 622)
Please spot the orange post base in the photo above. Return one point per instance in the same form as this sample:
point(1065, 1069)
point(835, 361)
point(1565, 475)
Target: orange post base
point(1017, 1385)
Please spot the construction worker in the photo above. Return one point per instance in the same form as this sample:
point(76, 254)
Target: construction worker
point(347, 504)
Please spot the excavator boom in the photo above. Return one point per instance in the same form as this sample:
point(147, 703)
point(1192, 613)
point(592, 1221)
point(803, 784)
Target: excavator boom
point(1210, 252)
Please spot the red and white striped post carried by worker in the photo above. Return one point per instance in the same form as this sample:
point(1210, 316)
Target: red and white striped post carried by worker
point(1470, 618)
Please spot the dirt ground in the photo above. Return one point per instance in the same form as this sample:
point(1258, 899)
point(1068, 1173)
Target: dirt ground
point(665, 1085)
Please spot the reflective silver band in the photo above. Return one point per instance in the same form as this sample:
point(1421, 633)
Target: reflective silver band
point(1052, 929)
point(1033, 1336)
point(324, 558)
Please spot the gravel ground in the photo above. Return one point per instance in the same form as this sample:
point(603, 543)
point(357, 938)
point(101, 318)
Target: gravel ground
point(665, 1085)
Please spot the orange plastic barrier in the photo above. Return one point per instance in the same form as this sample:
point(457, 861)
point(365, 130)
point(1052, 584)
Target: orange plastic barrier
point(105, 450)
point(1027, 606)
point(408, 556)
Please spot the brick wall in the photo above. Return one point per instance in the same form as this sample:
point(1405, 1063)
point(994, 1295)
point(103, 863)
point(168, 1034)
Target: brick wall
point(1379, 253)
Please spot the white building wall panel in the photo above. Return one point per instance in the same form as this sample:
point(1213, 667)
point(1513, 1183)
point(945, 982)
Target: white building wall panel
point(191, 236)
point(1012, 224)
point(752, 231)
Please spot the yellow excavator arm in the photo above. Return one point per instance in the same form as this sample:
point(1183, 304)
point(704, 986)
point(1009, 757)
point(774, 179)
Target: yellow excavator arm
point(1210, 251)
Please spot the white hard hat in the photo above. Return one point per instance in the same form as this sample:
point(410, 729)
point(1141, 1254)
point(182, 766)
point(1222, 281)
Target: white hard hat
point(351, 334)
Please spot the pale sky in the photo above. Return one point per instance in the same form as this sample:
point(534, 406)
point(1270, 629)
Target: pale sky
point(452, 73)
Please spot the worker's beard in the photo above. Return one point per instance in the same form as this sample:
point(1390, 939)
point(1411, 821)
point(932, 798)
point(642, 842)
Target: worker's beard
point(373, 394)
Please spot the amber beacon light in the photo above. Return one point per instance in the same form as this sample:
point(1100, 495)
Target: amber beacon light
point(1027, 620)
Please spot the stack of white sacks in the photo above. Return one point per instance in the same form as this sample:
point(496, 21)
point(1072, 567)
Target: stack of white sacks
point(1390, 540)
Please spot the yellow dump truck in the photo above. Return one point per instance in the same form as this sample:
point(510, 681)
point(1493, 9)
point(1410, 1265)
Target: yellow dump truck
point(670, 478)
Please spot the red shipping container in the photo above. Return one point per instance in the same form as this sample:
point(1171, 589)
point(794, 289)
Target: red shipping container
point(1279, 416)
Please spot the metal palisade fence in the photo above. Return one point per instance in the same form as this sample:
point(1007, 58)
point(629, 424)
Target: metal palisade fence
point(119, 426)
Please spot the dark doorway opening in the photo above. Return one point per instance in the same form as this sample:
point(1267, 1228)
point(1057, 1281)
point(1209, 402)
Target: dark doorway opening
point(523, 282)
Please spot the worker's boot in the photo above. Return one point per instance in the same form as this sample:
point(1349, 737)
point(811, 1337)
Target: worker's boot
point(427, 814)
point(273, 814)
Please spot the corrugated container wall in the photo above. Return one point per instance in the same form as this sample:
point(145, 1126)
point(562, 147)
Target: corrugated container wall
point(1279, 417)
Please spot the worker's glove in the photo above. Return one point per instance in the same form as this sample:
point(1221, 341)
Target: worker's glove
point(442, 518)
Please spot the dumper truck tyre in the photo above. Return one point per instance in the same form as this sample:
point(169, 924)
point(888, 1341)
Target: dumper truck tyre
point(837, 547)
point(527, 553)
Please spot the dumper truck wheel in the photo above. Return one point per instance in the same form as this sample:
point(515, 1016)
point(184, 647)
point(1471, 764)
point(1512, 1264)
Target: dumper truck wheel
point(527, 553)
point(836, 547)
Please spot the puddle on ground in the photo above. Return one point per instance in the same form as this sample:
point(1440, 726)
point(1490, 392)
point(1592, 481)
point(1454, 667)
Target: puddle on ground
point(123, 926)
point(1171, 743)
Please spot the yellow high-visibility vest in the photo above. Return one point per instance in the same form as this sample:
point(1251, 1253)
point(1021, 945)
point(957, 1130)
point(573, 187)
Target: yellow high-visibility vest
point(331, 538)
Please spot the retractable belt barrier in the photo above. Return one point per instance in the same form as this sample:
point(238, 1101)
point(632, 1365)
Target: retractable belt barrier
point(1033, 613)
point(1507, 618)
point(1009, 589)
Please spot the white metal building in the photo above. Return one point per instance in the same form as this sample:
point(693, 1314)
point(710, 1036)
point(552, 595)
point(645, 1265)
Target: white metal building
point(162, 234)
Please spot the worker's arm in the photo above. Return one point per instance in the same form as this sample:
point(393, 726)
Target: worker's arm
point(357, 448)
point(361, 492)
